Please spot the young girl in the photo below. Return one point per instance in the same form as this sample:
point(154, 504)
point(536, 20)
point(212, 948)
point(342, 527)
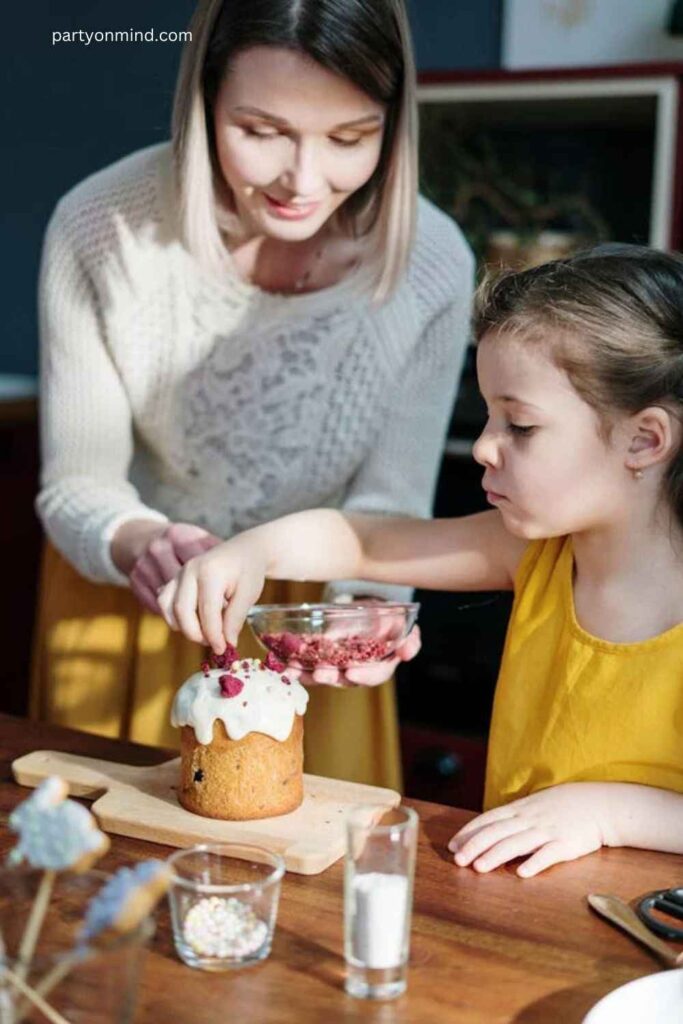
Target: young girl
point(581, 365)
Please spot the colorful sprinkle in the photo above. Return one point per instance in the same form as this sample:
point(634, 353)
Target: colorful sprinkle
point(225, 928)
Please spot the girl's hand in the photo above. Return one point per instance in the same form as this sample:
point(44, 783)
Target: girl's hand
point(557, 824)
point(209, 598)
point(372, 674)
point(151, 554)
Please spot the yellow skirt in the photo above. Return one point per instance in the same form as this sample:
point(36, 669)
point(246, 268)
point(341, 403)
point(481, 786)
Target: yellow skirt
point(105, 665)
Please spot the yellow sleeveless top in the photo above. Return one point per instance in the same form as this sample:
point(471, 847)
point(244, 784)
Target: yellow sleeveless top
point(570, 707)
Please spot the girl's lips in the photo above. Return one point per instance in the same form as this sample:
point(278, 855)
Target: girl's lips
point(492, 497)
point(288, 211)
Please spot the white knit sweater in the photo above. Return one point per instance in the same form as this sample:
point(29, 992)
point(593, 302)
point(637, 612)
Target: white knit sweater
point(168, 394)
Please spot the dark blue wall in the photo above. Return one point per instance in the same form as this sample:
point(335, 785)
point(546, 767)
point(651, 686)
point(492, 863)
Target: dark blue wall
point(70, 109)
point(452, 34)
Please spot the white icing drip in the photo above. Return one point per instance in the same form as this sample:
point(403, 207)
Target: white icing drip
point(266, 704)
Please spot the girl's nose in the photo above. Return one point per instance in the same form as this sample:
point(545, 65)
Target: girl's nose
point(485, 449)
point(302, 178)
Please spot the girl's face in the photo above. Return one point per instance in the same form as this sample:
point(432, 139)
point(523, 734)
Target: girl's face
point(547, 468)
point(293, 141)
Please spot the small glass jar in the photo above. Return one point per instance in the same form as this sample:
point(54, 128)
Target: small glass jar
point(378, 898)
point(224, 902)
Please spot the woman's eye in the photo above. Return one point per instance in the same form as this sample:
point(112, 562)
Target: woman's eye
point(516, 428)
point(259, 133)
point(347, 143)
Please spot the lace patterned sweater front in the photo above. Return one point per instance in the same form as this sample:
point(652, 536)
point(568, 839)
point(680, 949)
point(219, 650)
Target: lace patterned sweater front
point(168, 394)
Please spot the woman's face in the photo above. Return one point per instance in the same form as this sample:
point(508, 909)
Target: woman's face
point(293, 141)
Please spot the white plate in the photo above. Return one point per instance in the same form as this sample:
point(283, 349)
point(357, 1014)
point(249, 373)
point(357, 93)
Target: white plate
point(655, 999)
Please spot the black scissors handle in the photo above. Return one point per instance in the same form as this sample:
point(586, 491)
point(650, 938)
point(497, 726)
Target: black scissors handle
point(668, 901)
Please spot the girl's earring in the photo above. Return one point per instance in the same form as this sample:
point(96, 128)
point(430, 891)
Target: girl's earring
point(637, 474)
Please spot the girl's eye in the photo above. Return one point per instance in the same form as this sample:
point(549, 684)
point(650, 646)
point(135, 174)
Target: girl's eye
point(348, 143)
point(516, 428)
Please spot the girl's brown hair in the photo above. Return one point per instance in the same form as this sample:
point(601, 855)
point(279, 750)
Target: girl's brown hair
point(612, 318)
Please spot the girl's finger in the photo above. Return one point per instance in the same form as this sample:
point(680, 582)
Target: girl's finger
point(518, 845)
point(210, 602)
point(185, 607)
point(482, 840)
point(239, 602)
point(482, 821)
point(165, 599)
point(554, 852)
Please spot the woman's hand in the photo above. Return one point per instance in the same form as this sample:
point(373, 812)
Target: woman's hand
point(152, 553)
point(209, 598)
point(372, 674)
point(554, 825)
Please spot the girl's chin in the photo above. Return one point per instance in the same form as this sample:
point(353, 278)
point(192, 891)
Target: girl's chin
point(525, 529)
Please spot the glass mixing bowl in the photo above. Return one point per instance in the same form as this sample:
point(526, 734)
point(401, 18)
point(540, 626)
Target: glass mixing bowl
point(311, 636)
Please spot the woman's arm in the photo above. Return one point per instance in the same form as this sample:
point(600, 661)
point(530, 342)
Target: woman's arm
point(470, 553)
point(86, 422)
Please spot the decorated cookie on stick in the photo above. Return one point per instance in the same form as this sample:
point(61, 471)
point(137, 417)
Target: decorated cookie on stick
point(118, 909)
point(55, 834)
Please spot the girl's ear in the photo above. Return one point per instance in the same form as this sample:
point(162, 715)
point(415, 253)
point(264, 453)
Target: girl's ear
point(654, 434)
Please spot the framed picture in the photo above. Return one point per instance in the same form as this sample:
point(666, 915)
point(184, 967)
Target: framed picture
point(571, 33)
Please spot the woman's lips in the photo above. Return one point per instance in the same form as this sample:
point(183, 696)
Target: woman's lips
point(289, 211)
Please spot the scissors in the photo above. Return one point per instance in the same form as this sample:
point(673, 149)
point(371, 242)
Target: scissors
point(667, 901)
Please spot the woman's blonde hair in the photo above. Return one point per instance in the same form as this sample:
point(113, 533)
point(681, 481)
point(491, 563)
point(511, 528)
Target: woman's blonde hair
point(366, 41)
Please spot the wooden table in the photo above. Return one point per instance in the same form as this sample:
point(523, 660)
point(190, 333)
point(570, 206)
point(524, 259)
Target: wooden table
point(485, 949)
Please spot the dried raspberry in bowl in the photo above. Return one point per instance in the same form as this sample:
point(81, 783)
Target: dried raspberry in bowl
point(310, 636)
point(312, 650)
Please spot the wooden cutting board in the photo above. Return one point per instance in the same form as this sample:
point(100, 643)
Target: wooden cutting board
point(142, 803)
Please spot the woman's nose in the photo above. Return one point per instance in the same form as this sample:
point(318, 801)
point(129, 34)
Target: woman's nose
point(304, 175)
point(485, 449)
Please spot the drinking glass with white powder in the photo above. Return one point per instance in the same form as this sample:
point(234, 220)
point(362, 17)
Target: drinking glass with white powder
point(378, 897)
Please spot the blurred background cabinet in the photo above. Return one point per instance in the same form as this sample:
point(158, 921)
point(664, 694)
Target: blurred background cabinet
point(19, 536)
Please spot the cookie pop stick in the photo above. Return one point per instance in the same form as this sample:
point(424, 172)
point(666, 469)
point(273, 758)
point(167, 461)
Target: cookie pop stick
point(118, 908)
point(34, 997)
point(55, 834)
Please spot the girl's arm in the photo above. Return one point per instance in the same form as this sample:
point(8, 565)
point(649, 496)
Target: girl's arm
point(470, 553)
point(398, 476)
point(568, 821)
point(644, 817)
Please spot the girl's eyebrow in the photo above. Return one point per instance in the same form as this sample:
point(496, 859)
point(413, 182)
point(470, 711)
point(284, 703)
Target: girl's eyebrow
point(512, 399)
point(283, 123)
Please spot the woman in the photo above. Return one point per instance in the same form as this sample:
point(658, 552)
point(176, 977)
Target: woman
point(255, 319)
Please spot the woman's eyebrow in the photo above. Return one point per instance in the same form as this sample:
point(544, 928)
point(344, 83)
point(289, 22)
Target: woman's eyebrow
point(262, 113)
point(357, 123)
point(368, 119)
